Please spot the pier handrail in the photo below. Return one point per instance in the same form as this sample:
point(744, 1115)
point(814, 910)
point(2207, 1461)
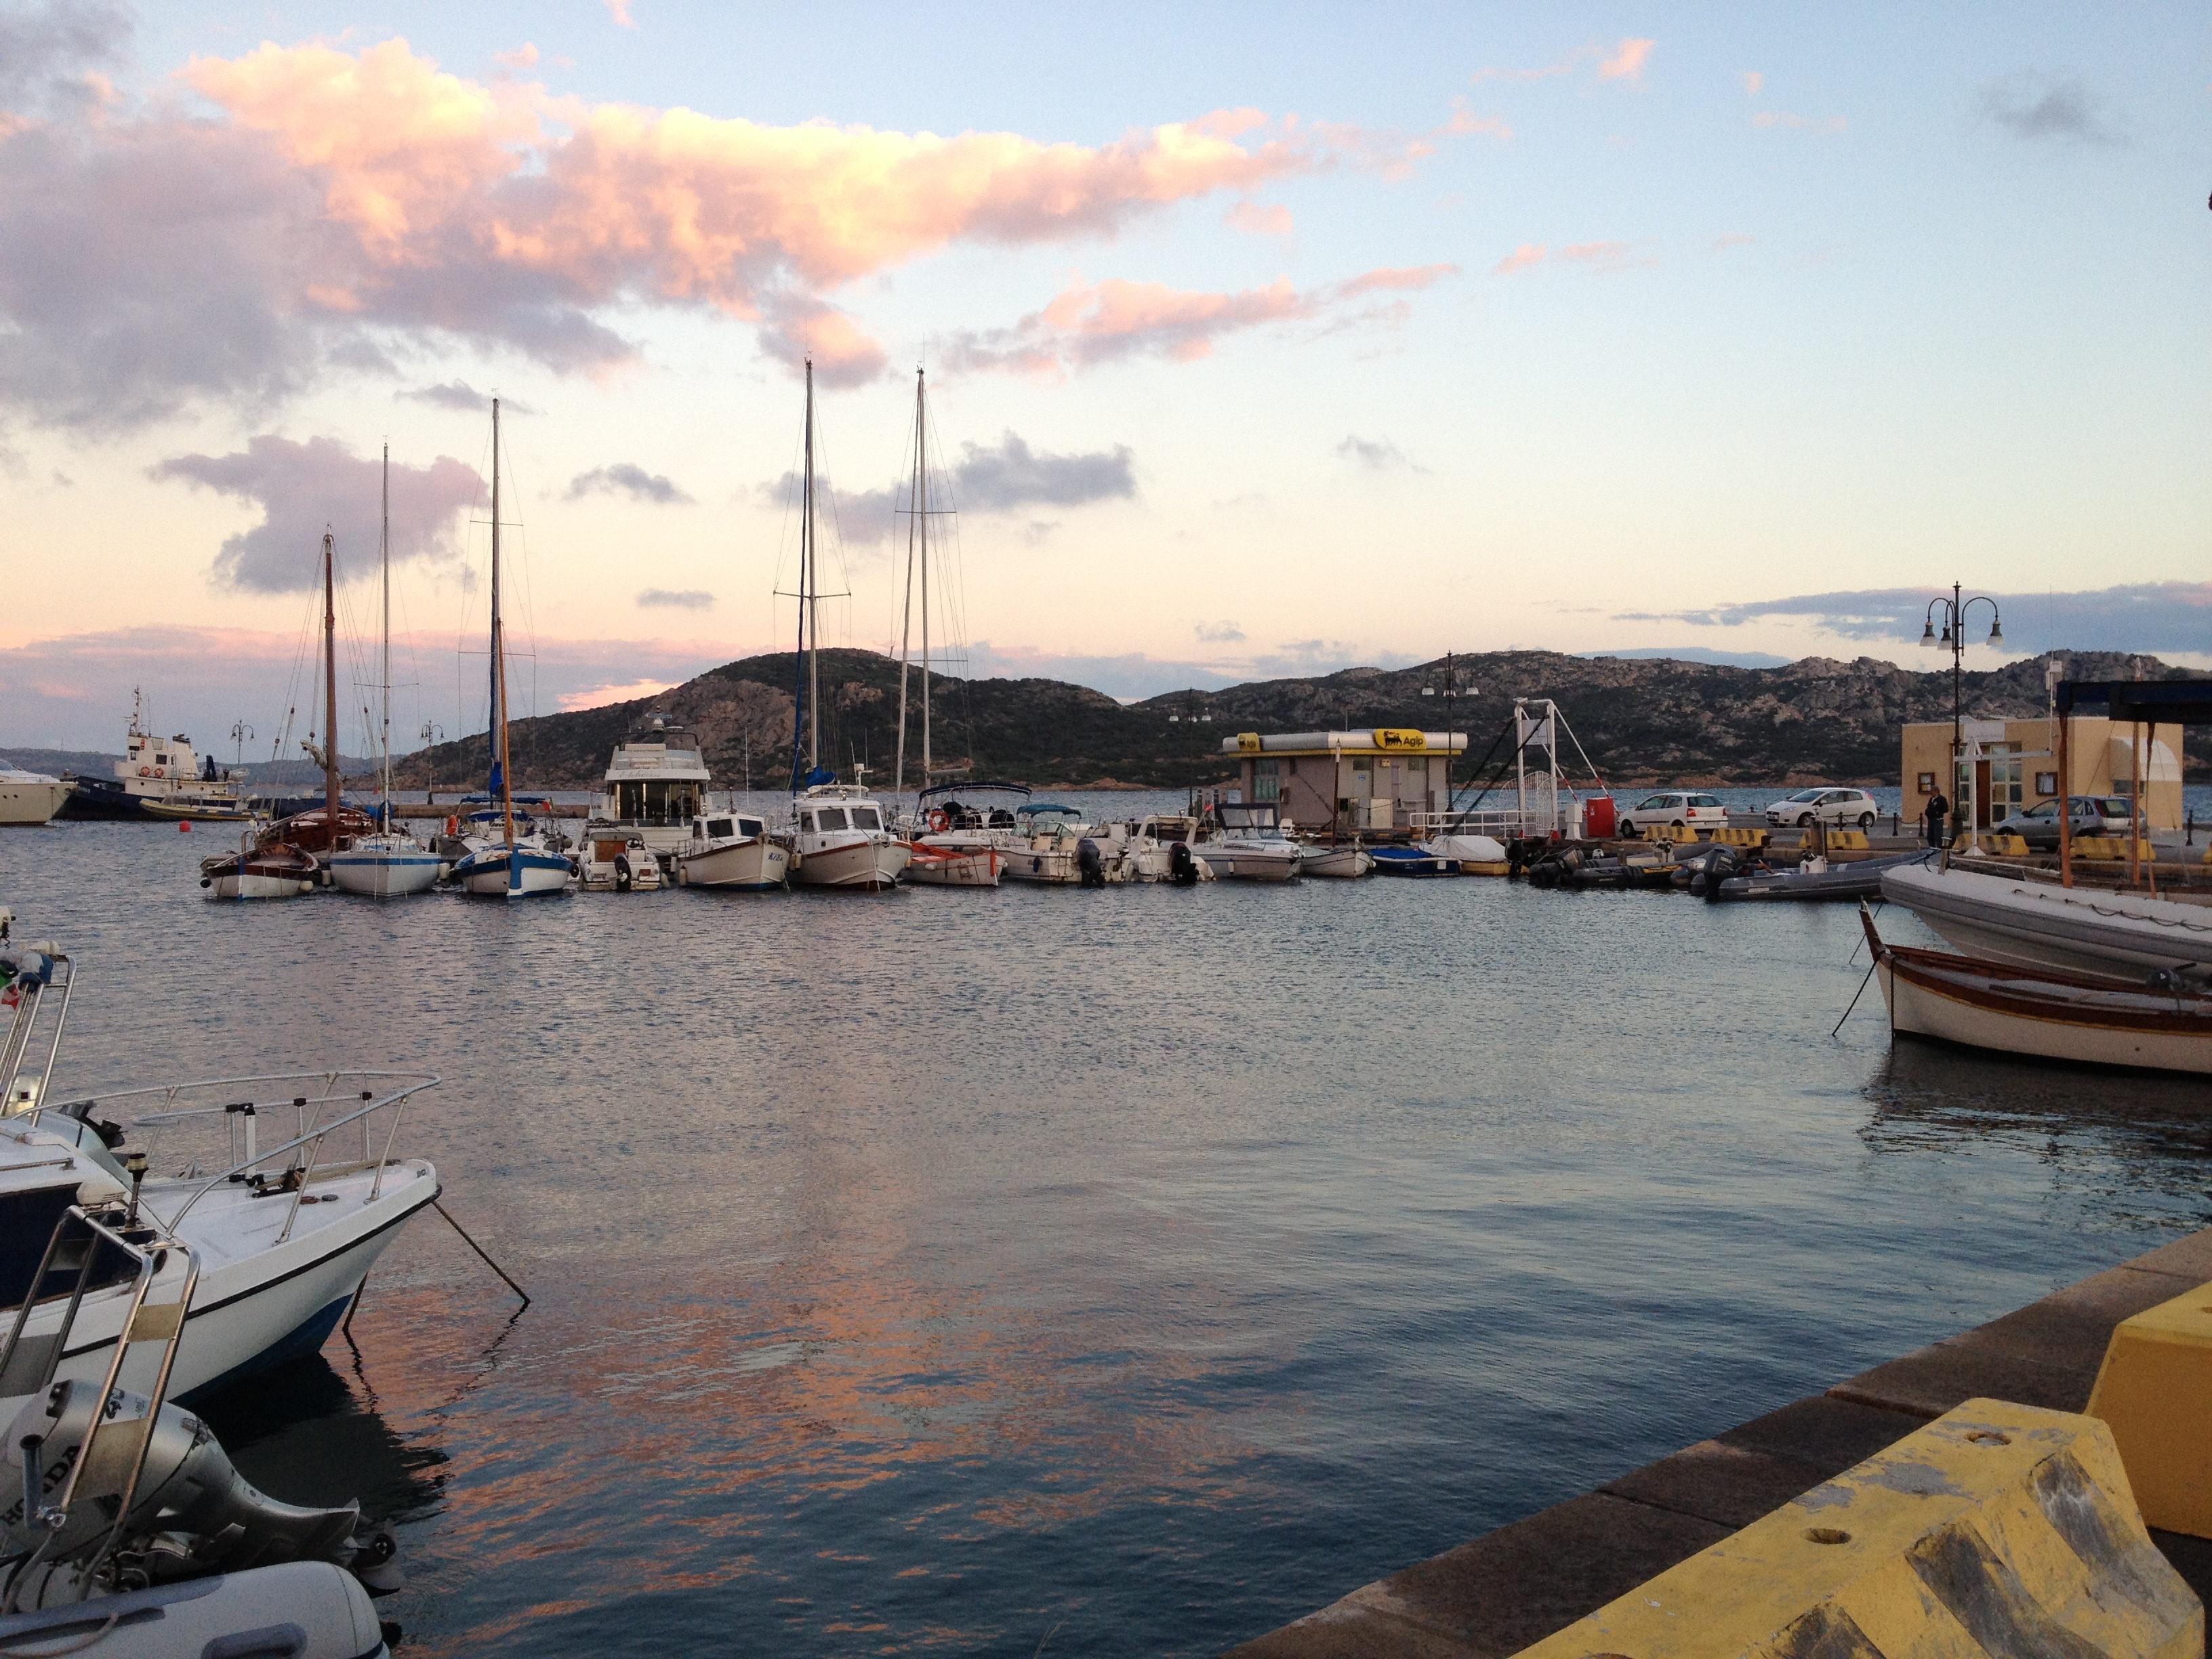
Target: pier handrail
point(311, 1134)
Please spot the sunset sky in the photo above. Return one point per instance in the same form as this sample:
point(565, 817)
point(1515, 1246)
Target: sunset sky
point(1261, 339)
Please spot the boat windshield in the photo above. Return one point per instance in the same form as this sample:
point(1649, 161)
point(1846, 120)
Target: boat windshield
point(750, 826)
point(717, 827)
point(867, 817)
point(829, 817)
point(1048, 817)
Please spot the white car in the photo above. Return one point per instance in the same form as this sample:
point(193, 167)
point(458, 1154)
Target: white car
point(1852, 808)
point(1676, 808)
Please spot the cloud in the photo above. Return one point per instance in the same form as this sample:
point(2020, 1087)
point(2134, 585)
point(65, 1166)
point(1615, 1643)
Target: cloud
point(1752, 81)
point(627, 479)
point(1090, 323)
point(48, 53)
point(599, 697)
point(1733, 239)
point(1218, 633)
point(316, 201)
point(1599, 259)
point(303, 487)
point(2148, 616)
point(1008, 478)
point(1626, 61)
point(523, 57)
point(688, 599)
point(460, 395)
point(2035, 109)
point(1256, 219)
point(619, 10)
point(1378, 454)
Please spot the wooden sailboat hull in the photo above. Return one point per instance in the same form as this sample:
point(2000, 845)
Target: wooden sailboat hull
point(385, 872)
point(487, 875)
point(2041, 1012)
point(744, 866)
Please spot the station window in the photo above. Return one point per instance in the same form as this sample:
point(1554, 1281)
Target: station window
point(1267, 783)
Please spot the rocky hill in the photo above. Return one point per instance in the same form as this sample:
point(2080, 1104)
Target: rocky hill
point(1641, 721)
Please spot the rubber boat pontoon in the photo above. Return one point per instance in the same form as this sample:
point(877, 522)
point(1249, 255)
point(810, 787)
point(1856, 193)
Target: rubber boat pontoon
point(2085, 930)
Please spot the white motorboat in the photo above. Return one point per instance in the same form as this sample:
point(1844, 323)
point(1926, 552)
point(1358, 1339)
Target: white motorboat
point(617, 863)
point(1154, 849)
point(28, 798)
point(733, 850)
point(838, 839)
point(958, 843)
point(2042, 1011)
point(1472, 853)
point(2086, 930)
point(1247, 843)
point(511, 862)
point(389, 864)
point(655, 788)
point(1347, 858)
point(155, 772)
point(1045, 845)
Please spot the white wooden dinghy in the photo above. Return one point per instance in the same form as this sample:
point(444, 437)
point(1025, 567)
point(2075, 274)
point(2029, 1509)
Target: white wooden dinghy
point(2042, 1011)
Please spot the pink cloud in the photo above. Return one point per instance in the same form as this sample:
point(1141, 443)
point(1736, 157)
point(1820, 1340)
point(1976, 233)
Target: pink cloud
point(1088, 324)
point(598, 696)
point(1600, 259)
point(1752, 81)
point(1527, 255)
point(1733, 239)
point(619, 10)
point(1257, 220)
point(523, 57)
point(1627, 61)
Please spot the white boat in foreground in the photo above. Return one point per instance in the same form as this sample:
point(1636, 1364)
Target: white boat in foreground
point(1347, 860)
point(2084, 929)
point(1249, 844)
point(839, 839)
point(2042, 1011)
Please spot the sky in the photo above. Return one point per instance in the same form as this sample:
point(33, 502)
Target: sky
point(1258, 340)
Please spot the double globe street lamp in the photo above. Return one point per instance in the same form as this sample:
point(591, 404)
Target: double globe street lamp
point(1954, 640)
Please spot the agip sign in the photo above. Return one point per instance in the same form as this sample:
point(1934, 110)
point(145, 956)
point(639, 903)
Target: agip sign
point(1392, 739)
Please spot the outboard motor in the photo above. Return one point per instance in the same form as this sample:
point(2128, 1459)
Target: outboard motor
point(622, 873)
point(190, 1515)
point(1089, 863)
point(1182, 865)
point(1714, 867)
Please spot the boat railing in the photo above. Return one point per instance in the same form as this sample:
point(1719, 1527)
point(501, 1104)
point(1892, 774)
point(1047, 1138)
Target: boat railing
point(41, 975)
point(306, 1095)
point(149, 1246)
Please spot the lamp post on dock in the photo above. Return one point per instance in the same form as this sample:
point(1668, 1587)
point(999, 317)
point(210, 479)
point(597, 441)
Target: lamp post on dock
point(1953, 610)
point(1453, 687)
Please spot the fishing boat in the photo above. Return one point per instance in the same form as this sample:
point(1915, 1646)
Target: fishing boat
point(28, 798)
point(655, 789)
point(265, 869)
point(2084, 930)
point(511, 863)
point(156, 778)
point(1244, 841)
point(2045, 1012)
point(1344, 861)
point(385, 863)
point(839, 836)
point(735, 851)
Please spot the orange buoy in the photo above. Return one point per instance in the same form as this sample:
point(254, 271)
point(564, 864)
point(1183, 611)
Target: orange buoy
point(184, 826)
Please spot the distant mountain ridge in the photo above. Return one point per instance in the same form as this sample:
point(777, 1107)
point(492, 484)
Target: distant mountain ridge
point(1641, 721)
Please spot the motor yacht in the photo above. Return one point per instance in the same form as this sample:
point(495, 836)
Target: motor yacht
point(28, 798)
point(733, 849)
point(617, 863)
point(1045, 844)
point(1156, 847)
point(654, 790)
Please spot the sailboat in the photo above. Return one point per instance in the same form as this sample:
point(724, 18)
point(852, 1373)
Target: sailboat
point(389, 864)
point(507, 865)
point(943, 855)
point(838, 834)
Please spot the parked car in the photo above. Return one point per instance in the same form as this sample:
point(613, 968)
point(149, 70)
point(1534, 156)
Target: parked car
point(2092, 815)
point(1844, 808)
point(1677, 807)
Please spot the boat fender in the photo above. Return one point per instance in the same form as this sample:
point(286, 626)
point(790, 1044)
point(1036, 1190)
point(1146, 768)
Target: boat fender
point(452, 825)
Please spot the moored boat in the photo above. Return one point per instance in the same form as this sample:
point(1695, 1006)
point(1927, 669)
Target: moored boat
point(1246, 842)
point(28, 798)
point(2045, 1012)
point(269, 869)
point(156, 778)
point(1045, 845)
point(2080, 929)
point(655, 788)
point(840, 839)
point(1412, 861)
point(1346, 860)
point(732, 849)
point(1816, 880)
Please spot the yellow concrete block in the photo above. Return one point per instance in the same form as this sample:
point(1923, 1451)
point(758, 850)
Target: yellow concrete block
point(1486, 867)
point(1997, 1529)
point(2154, 1392)
point(1741, 837)
point(2007, 847)
point(2109, 847)
point(1847, 840)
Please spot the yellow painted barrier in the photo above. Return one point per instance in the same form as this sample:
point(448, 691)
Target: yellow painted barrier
point(1682, 832)
point(1997, 1529)
point(1742, 837)
point(1847, 840)
point(2154, 1392)
point(2006, 847)
point(2108, 847)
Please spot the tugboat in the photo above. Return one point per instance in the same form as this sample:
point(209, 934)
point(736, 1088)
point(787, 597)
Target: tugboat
point(157, 778)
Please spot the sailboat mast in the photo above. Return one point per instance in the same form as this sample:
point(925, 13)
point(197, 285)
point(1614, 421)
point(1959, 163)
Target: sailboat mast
point(385, 555)
point(501, 756)
point(906, 607)
point(810, 600)
point(921, 517)
point(330, 686)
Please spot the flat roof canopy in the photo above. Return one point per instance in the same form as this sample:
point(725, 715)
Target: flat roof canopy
point(1378, 740)
point(2155, 702)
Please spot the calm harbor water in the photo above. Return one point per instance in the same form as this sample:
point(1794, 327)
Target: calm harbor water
point(1121, 1272)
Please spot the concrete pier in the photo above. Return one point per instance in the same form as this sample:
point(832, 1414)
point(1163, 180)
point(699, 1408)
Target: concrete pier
point(1526, 1581)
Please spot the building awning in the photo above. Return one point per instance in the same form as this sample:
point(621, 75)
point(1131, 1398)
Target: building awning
point(2157, 702)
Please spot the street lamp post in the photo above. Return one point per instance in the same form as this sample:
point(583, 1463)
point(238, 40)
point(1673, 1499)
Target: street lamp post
point(1953, 638)
point(1452, 688)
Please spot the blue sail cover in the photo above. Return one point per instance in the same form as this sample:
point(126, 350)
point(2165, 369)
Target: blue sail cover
point(819, 774)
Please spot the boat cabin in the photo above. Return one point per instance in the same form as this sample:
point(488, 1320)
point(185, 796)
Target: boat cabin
point(825, 819)
point(1346, 780)
point(706, 831)
point(655, 785)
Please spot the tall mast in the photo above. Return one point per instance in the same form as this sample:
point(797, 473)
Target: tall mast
point(906, 613)
point(501, 756)
point(330, 687)
point(384, 552)
point(810, 600)
point(921, 517)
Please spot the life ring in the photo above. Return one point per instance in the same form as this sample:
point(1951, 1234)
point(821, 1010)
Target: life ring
point(939, 820)
point(160, 772)
point(145, 771)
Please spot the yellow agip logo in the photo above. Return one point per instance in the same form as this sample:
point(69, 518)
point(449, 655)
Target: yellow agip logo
point(1248, 742)
point(1392, 738)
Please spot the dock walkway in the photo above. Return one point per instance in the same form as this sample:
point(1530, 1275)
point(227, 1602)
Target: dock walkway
point(1515, 1586)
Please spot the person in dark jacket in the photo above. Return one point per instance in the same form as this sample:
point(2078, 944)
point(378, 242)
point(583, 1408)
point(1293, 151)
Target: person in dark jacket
point(1937, 810)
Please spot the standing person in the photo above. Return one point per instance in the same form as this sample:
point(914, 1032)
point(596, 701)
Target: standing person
point(1937, 810)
